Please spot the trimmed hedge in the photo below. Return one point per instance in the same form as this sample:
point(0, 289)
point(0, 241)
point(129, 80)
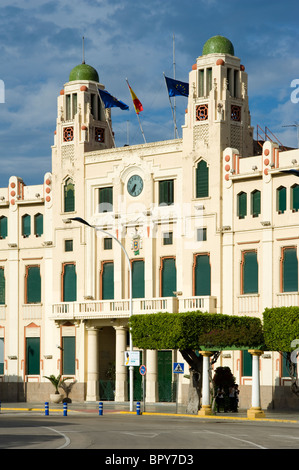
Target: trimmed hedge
point(281, 327)
point(195, 330)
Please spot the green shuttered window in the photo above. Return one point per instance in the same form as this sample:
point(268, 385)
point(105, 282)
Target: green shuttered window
point(26, 225)
point(202, 179)
point(250, 272)
point(281, 199)
point(33, 285)
point(32, 356)
point(242, 205)
point(2, 287)
point(202, 276)
point(246, 364)
point(3, 227)
point(106, 199)
point(69, 283)
point(69, 355)
point(138, 279)
point(38, 225)
point(289, 270)
point(168, 277)
point(108, 281)
point(69, 196)
point(295, 197)
point(166, 192)
point(255, 203)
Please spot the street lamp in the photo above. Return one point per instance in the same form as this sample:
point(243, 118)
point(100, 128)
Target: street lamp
point(131, 368)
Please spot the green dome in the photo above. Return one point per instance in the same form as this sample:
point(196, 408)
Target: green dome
point(84, 72)
point(218, 44)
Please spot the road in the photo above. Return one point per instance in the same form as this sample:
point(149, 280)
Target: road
point(124, 431)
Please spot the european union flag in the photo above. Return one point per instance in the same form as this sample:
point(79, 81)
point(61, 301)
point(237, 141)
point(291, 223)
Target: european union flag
point(111, 102)
point(175, 87)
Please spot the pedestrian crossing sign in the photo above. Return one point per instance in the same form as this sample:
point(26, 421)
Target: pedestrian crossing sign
point(178, 367)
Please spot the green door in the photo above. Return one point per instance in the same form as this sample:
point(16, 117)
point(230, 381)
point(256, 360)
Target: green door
point(138, 279)
point(32, 356)
point(69, 355)
point(69, 283)
point(165, 376)
point(168, 277)
point(108, 281)
point(246, 364)
point(250, 273)
point(202, 275)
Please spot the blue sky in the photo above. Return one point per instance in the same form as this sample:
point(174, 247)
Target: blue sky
point(41, 41)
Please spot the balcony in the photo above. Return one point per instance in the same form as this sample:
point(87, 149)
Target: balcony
point(105, 309)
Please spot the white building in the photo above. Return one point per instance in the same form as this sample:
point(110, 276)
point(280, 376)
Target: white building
point(217, 229)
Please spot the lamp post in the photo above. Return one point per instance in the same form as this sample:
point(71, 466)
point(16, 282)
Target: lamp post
point(131, 368)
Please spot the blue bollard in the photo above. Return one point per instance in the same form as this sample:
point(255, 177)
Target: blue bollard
point(101, 408)
point(138, 408)
point(46, 408)
point(65, 409)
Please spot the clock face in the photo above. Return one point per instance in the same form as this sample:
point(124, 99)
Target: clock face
point(135, 185)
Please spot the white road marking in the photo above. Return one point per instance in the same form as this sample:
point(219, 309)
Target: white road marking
point(236, 438)
point(67, 440)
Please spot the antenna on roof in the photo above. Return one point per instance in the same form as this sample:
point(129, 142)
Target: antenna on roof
point(83, 59)
point(297, 126)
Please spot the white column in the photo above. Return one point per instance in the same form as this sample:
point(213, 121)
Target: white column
point(92, 365)
point(205, 399)
point(255, 411)
point(151, 376)
point(121, 383)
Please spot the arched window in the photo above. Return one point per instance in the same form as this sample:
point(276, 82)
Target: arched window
point(202, 179)
point(202, 275)
point(69, 280)
point(38, 225)
point(289, 269)
point(3, 227)
point(242, 205)
point(255, 203)
point(26, 225)
point(168, 277)
point(69, 196)
point(281, 199)
point(249, 274)
point(295, 197)
point(107, 280)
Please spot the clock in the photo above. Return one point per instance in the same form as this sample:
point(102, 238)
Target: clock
point(135, 185)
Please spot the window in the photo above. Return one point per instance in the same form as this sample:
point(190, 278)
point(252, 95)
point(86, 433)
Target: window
point(201, 234)
point(168, 238)
point(107, 243)
point(168, 277)
point(255, 203)
point(246, 364)
point(33, 285)
point(70, 106)
point(249, 273)
point(38, 225)
point(202, 275)
point(106, 199)
point(69, 196)
point(295, 197)
point(242, 205)
point(26, 225)
point(107, 280)
point(166, 193)
point(1, 356)
point(281, 199)
point(289, 270)
point(3, 227)
point(201, 82)
point(209, 81)
point(69, 283)
point(2, 287)
point(68, 355)
point(68, 245)
point(32, 356)
point(138, 279)
point(236, 83)
point(202, 179)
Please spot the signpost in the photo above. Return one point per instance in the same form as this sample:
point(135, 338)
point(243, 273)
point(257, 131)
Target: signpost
point(178, 368)
point(142, 370)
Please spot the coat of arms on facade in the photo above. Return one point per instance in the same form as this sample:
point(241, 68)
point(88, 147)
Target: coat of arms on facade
point(136, 244)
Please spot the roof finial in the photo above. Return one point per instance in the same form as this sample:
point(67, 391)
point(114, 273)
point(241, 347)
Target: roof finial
point(83, 59)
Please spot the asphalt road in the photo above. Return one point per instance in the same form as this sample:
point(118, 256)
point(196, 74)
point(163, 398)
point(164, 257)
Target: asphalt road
point(115, 431)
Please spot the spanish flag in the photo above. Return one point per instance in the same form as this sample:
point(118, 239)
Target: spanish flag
point(137, 104)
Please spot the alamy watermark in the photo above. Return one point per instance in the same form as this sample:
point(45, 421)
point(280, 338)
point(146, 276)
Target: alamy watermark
point(295, 93)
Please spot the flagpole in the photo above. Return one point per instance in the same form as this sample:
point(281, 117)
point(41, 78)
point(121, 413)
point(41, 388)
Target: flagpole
point(173, 116)
point(137, 114)
point(174, 100)
point(106, 119)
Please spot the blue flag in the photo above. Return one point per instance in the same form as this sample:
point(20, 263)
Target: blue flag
point(111, 102)
point(175, 87)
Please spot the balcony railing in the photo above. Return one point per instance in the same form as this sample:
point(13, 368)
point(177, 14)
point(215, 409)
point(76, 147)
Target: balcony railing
point(121, 308)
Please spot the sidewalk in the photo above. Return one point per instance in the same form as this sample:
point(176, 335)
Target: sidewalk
point(150, 408)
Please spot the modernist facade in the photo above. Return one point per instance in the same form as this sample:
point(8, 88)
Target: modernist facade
point(207, 224)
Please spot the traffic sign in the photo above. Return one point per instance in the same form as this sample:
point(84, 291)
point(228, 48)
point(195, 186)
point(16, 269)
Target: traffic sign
point(142, 370)
point(178, 367)
point(132, 358)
